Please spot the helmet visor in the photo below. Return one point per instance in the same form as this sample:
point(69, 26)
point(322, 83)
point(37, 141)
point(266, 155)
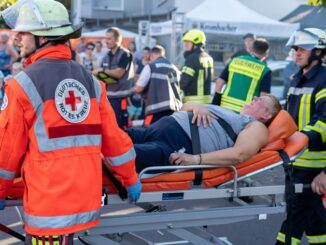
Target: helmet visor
point(303, 39)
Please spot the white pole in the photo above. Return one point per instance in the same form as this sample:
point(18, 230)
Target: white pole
point(75, 11)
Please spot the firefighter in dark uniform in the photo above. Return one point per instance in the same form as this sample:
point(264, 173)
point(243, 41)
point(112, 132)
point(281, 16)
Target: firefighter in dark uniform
point(159, 84)
point(198, 70)
point(307, 104)
point(117, 71)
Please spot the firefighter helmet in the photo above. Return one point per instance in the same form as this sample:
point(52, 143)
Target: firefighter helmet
point(195, 36)
point(47, 18)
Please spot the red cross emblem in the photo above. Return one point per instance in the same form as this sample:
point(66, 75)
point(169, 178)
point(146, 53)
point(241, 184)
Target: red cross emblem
point(72, 100)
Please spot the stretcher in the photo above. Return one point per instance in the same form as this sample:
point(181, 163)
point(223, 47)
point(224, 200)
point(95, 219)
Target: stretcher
point(202, 182)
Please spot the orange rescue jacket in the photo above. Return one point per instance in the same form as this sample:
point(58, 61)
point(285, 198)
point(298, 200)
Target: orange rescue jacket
point(54, 124)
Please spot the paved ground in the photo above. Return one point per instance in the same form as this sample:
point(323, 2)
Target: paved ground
point(251, 232)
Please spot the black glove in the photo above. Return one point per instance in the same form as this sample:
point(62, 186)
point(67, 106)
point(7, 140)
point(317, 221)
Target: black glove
point(315, 140)
point(217, 99)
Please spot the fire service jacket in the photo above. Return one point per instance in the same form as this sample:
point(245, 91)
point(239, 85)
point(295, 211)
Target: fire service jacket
point(54, 124)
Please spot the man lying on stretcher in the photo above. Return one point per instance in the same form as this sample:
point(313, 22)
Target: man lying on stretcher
point(168, 141)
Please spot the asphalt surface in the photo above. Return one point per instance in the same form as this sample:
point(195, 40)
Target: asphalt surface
point(252, 232)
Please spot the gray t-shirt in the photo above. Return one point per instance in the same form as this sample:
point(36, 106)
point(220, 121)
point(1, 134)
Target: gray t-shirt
point(215, 138)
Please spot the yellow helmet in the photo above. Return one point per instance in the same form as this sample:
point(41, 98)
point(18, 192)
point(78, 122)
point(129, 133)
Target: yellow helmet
point(41, 18)
point(195, 36)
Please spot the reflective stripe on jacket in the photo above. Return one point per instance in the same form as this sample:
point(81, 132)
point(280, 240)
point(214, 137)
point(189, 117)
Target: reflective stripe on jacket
point(122, 88)
point(61, 162)
point(196, 78)
point(245, 75)
point(307, 105)
point(163, 88)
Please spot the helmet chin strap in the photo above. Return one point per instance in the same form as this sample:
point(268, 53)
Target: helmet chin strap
point(38, 44)
point(313, 56)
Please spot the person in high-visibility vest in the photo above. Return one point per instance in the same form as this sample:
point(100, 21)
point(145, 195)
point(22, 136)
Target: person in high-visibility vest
point(245, 77)
point(55, 123)
point(198, 69)
point(306, 103)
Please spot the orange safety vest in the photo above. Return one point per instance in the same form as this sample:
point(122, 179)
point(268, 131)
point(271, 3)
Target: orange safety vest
point(55, 123)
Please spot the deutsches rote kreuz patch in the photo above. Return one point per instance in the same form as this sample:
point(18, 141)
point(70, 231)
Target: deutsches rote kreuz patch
point(72, 100)
point(4, 102)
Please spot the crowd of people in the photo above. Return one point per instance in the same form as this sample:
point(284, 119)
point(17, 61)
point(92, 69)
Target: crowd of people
point(68, 107)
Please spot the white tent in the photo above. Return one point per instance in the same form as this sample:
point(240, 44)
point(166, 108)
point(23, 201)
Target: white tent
point(233, 18)
point(101, 33)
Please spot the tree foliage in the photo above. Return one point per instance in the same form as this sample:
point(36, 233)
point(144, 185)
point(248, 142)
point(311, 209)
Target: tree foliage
point(317, 2)
point(6, 3)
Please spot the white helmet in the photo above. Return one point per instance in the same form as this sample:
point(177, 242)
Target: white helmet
point(308, 38)
point(47, 18)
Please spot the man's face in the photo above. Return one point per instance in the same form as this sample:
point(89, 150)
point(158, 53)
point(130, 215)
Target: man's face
point(248, 43)
point(90, 49)
point(146, 54)
point(188, 45)
point(26, 43)
point(259, 108)
point(301, 56)
point(111, 41)
point(98, 47)
point(3, 39)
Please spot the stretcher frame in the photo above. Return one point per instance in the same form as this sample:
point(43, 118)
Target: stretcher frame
point(181, 223)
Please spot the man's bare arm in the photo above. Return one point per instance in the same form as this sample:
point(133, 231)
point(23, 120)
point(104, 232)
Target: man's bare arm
point(138, 89)
point(219, 85)
point(115, 73)
point(248, 143)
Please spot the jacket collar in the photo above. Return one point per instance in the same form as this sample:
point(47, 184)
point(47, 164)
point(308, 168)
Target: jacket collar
point(311, 73)
point(59, 51)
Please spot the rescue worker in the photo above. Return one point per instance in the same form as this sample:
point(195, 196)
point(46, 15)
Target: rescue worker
point(248, 41)
point(117, 71)
point(159, 84)
point(245, 77)
point(198, 70)
point(54, 124)
point(306, 103)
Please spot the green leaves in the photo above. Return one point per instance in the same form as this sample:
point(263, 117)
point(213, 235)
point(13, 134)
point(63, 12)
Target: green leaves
point(6, 3)
point(316, 2)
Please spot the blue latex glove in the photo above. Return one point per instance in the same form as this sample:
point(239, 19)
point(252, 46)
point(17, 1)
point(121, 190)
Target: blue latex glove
point(134, 191)
point(2, 204)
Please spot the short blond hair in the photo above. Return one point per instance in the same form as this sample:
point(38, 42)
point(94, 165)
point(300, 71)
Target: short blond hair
point(274, 109)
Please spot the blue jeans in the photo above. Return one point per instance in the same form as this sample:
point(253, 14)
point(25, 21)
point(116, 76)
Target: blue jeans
point(155, 143)
point(120, 113)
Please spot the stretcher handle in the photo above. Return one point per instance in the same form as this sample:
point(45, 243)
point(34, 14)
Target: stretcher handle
point(12, 203)
point(192, 167)
point(174, 167)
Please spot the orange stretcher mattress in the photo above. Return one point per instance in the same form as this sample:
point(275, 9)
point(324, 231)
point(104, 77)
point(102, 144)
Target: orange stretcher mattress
point(283, 135)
